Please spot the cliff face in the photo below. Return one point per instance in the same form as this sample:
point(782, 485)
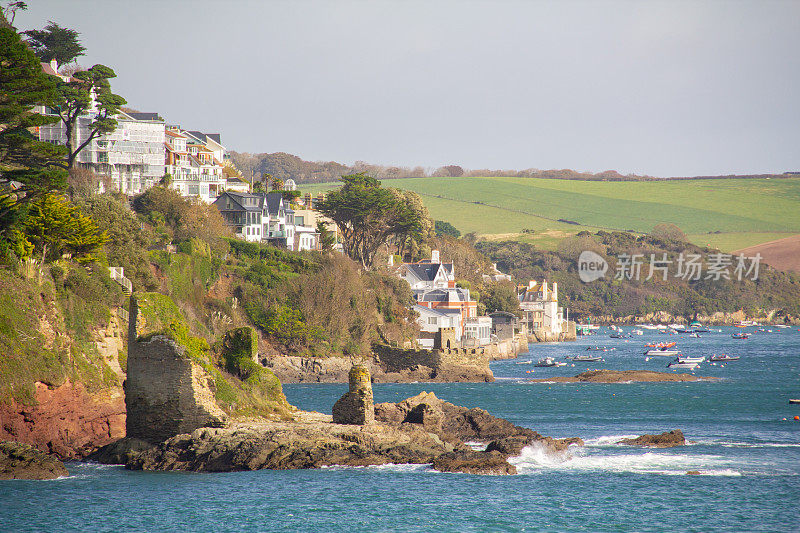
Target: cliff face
point(67, 421)
point(166, 393)
point(60, 374)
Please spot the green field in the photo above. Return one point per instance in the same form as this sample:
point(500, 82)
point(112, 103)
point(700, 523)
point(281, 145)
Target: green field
point(725, 213)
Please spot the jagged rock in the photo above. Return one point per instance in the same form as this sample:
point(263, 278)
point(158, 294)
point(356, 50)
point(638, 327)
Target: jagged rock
point(120, 452)
point(472, 462)
point(356, 406)
point(22, 461)
point(667, 439)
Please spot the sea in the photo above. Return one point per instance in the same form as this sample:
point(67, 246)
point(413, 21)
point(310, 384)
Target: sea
point(742, 438)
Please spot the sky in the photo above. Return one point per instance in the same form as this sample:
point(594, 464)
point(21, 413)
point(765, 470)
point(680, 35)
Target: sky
point(676, 88)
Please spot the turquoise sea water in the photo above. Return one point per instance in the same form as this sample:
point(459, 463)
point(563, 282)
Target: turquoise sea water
point(748, 456)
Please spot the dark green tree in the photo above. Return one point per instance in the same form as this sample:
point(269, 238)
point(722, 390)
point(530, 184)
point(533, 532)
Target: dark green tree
point(28, 167)
point(87, 93)
point(55, 42)
point(259, 187)
point(445, 228)
point(367, 216)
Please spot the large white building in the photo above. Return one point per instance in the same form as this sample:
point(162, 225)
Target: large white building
point(132, 156)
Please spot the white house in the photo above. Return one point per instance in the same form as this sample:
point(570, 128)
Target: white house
point(431, 320)
point(428, 274)
point(244, 213)
point(133, 155)
point(540, 307)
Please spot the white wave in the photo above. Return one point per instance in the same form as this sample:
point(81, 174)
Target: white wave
point(390, 467)
point(607, 440)
point(535, 458)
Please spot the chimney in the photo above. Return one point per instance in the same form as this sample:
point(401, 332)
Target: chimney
point(434, 256)
point(54, 64)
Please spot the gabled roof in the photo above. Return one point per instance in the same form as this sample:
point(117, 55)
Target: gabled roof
point(424, 271)
point(175, 134)
point(238, 198)
point(274, 202)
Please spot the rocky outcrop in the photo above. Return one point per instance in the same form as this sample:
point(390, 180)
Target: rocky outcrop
point(166, 393)
point(667, 439)
point(356, 405)
point(22, 461)
point(312, 441)
point(419, 430)
point(453, 423)
point(67, 421)
point(622, 376)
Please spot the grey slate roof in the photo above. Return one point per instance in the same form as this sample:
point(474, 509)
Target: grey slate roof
point(274, 202)
point(238, 198)
point(424, 271)
point(144, 116)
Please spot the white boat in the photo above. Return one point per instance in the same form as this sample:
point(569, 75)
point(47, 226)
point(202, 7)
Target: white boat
point(679, 364)
point(549, 361)
point(528, 362)
point(723, 357)
point(665, 353)
point(638, 332)
point(676, 326)
point(684, 359)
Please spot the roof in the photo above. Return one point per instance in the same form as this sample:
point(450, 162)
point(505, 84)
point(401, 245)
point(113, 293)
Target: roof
point(175, 134)
point(144, 116)
point(239, 197)
point(274, 200)
point(436, 311)
point(424, 271)
point(48, 69)
point(436, 295)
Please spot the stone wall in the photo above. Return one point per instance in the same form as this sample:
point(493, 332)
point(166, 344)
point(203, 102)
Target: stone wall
point(166, 393)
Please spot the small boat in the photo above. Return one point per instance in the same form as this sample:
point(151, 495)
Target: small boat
point(663, 352)
point(549, 361)
point(723, 357)
point(681, 364)
point(694, 334)
point(587, 359)
point(528, 362)
point(793, 401)
point(684, 359)
point(638, 332)
point(782, 326)
point(620, 335)
point(740, 335)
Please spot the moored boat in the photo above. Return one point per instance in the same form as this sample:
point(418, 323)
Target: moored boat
point(587, 359)
point(549, 361)
point(740, 335)
point(684, 359)
point(662, 352)
point(723, 357)
point(682, 364)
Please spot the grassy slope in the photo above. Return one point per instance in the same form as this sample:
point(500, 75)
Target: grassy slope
point(745, 211)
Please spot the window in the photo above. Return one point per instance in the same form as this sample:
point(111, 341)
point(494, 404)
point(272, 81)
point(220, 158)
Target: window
point(432, 320)
point(299, 220)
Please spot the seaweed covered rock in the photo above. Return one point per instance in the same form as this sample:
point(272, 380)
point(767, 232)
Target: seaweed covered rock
point(22, 461)
point(356, 405)
point(668, 439)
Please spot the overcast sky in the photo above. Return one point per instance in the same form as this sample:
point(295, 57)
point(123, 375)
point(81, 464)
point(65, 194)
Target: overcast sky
point(661, 88)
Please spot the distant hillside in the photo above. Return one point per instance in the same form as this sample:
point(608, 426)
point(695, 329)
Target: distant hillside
point(287, 166)
point(723, 213)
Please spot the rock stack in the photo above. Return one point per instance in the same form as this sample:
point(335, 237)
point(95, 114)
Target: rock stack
point(356, 406)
